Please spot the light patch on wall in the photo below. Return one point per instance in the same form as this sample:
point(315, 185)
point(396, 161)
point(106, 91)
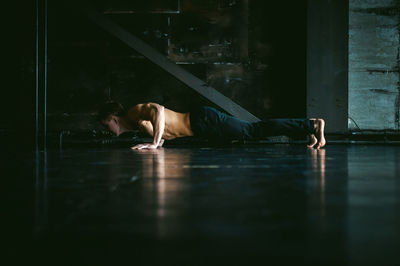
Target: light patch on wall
point(373, 65)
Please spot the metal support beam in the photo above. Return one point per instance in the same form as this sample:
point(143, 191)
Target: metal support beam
point(41, 75)
point(41, 206)
point(181, 74)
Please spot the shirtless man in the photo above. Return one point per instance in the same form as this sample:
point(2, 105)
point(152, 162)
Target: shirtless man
point(161, 123)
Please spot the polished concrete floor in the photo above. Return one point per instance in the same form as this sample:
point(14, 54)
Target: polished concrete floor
point(237, 205)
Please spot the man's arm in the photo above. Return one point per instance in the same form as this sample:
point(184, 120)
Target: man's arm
point(155, 114)
point(146, 127)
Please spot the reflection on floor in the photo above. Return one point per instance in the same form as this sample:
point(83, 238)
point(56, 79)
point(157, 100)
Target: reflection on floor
point(200, 206)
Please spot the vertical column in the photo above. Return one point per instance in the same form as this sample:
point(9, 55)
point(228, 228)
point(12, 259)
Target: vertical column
point(327, 62)
point(41, 75)
point(40, 118)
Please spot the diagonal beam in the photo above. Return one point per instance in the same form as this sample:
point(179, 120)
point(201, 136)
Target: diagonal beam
point(181, 74)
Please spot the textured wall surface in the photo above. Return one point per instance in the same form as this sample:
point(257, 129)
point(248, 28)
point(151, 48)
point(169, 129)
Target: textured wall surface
point(374, 65)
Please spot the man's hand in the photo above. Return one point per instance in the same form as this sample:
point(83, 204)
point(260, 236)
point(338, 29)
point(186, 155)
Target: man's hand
point(148, 146)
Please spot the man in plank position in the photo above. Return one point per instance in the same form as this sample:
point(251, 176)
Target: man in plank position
point(161, 123)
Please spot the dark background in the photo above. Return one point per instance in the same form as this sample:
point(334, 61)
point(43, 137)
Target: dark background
point(254, 52)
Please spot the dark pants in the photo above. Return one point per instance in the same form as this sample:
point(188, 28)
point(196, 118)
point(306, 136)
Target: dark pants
point(207, 122)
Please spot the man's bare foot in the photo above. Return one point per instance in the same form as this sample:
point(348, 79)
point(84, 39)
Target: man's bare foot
point(319, 126)
point(313, 141)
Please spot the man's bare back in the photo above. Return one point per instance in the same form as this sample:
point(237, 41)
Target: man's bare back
point(176, 124)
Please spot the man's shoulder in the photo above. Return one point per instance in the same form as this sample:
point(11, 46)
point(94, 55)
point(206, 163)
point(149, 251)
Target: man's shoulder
point(140, 111)
point(141, 106)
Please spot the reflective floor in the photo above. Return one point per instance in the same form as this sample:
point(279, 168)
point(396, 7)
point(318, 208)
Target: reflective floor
point(281, 204)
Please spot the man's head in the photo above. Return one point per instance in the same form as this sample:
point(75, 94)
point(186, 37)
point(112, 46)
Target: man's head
point(110, 115)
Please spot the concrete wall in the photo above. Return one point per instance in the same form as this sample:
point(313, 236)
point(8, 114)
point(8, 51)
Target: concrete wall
point(374, 65)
